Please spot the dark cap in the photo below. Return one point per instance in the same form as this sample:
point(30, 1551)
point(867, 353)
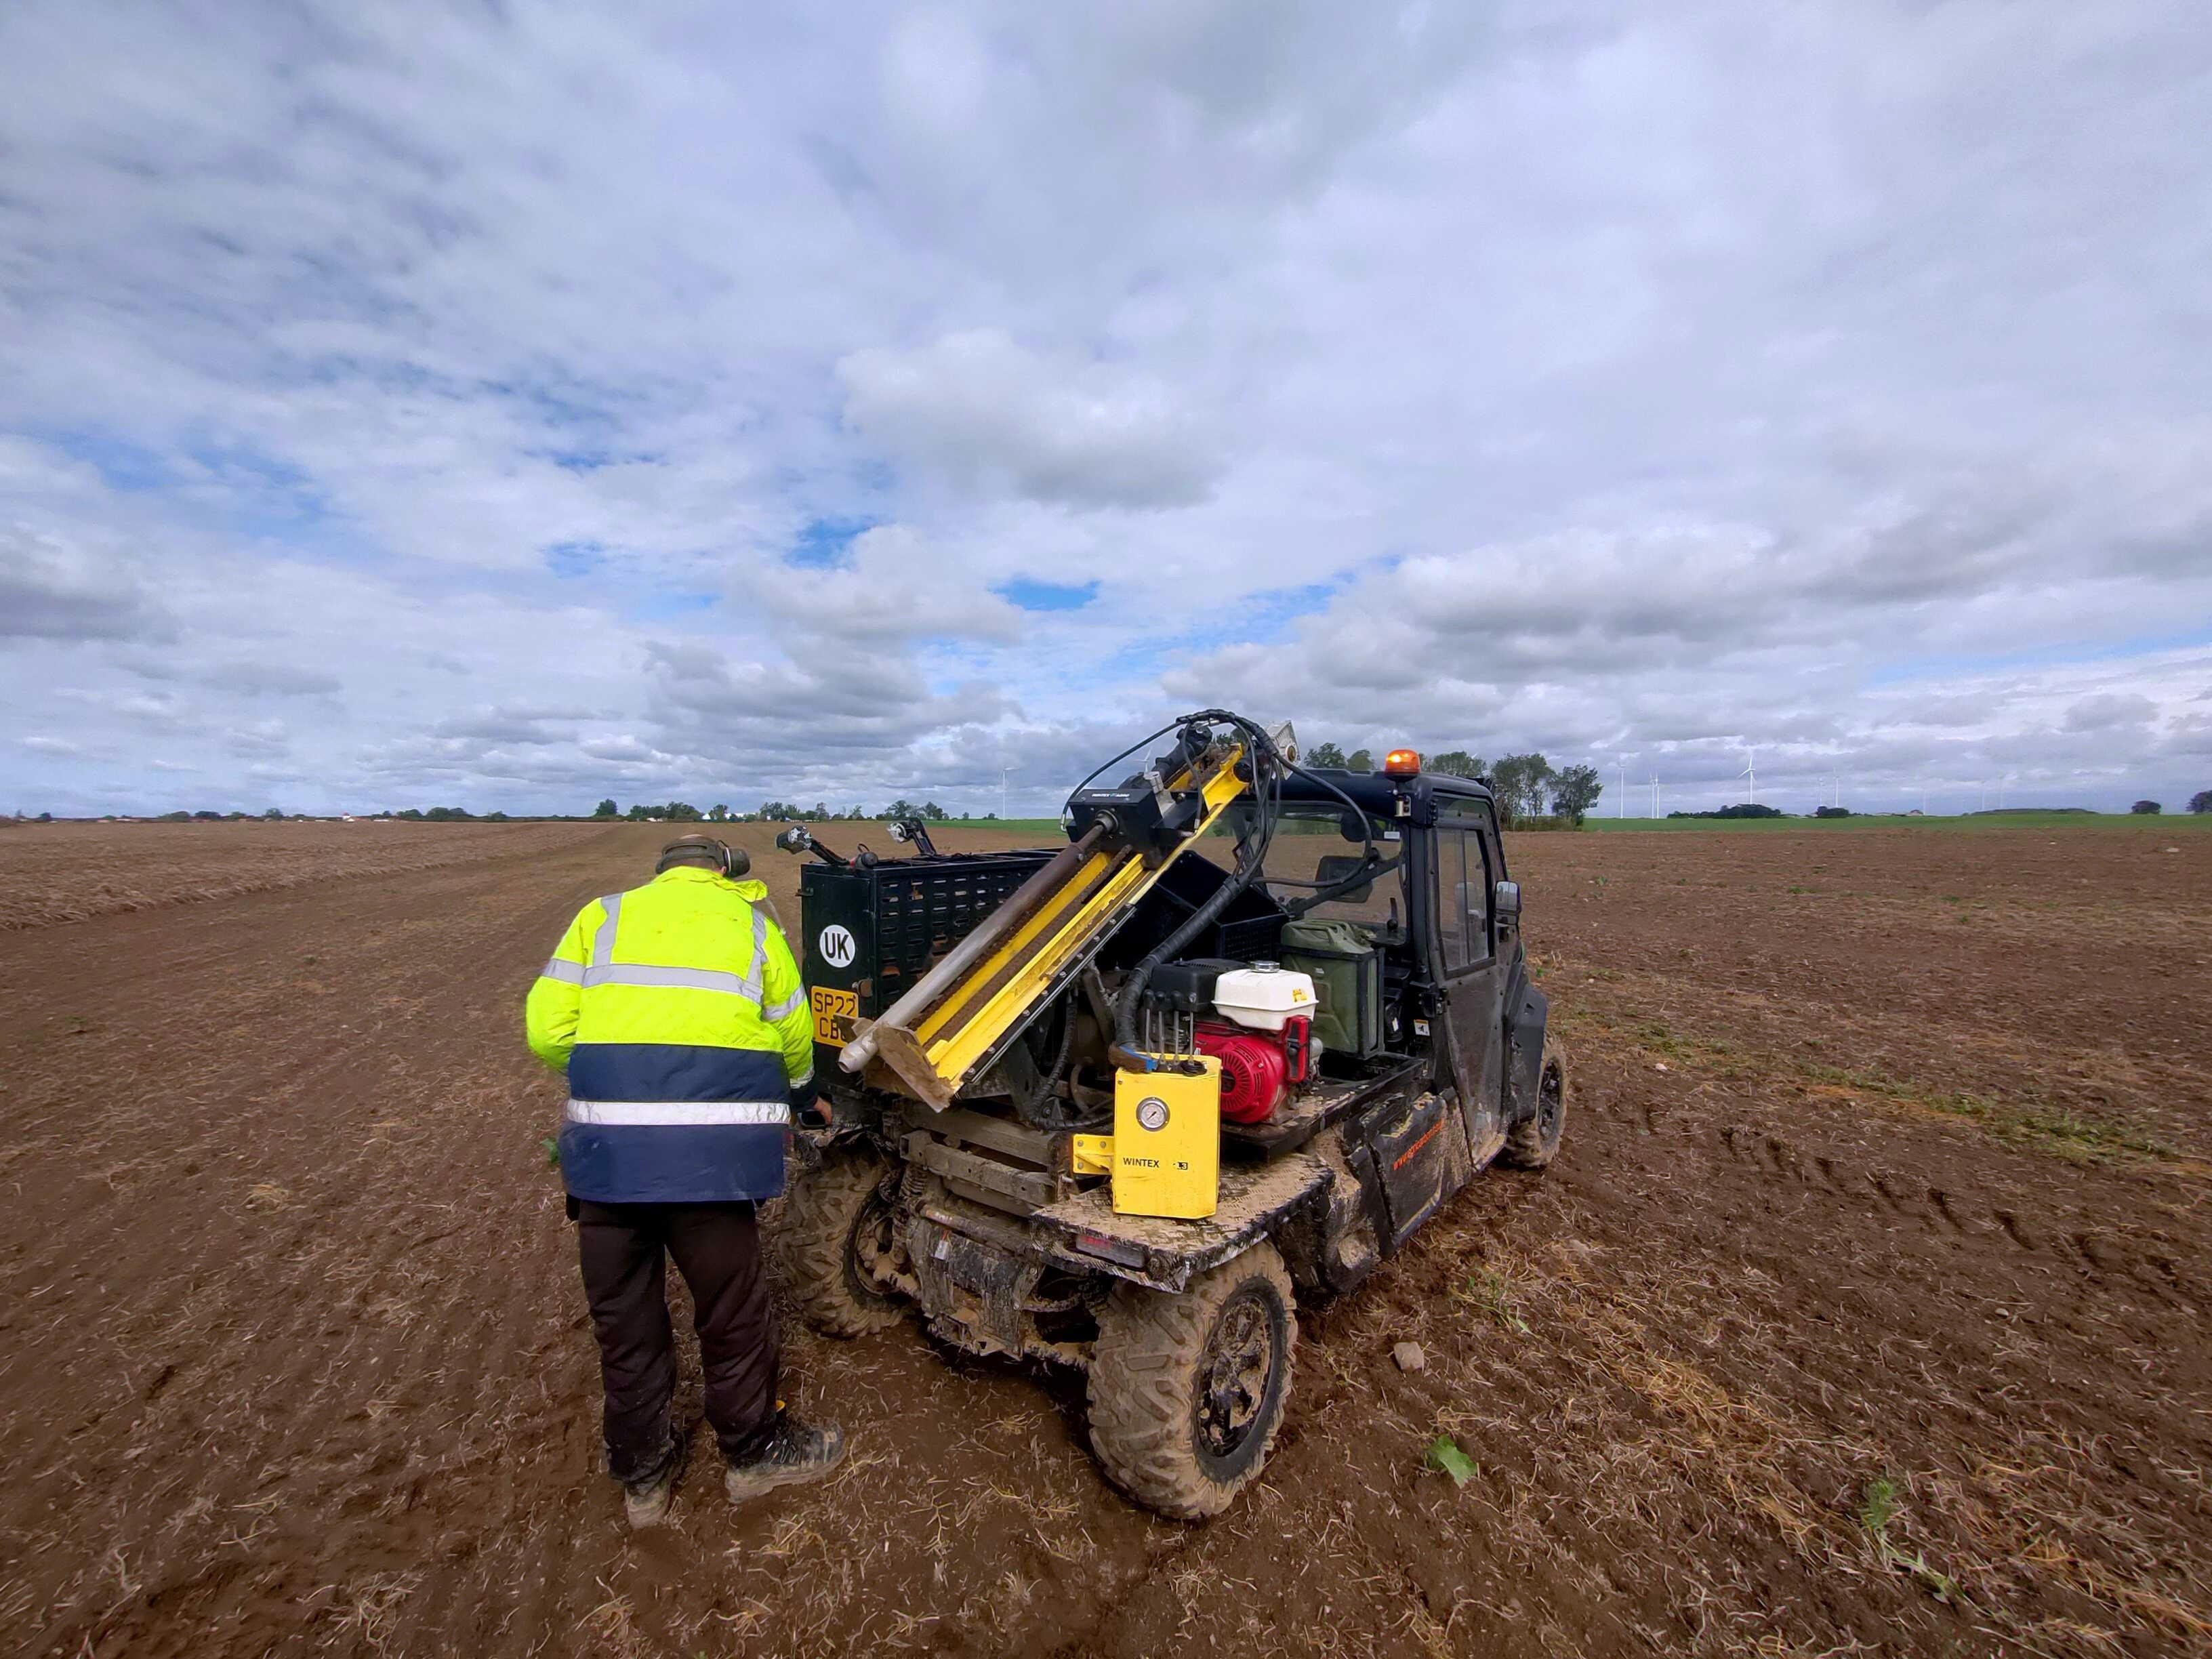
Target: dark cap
point(707, 853)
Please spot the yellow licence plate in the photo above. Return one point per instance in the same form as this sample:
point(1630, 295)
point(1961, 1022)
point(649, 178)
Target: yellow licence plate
point(835, 1011)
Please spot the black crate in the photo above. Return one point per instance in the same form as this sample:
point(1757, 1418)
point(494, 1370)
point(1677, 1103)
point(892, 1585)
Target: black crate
point(1249, 930)
point(868, 934)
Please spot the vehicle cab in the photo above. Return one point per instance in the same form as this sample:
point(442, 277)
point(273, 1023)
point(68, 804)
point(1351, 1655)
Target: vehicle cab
point(1435, 905)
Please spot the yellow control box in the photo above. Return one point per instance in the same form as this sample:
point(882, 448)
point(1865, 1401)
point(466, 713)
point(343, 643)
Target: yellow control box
point(1167, 1141)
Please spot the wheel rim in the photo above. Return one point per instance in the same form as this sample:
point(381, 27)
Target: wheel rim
point(871, 1253)
point(1237, 1375)
point(1550, 1103)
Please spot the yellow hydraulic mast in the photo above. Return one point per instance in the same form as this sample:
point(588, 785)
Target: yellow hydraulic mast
point(952, 1024)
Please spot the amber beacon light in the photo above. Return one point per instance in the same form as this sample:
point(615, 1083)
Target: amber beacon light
point(1402, 763)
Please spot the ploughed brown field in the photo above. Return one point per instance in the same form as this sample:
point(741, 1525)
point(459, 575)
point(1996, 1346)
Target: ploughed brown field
point(1865, 1310)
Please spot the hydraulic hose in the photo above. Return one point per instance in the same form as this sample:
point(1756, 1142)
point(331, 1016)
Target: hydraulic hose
point(1149, 737)
point(1040, 1110)
point(1266, 763)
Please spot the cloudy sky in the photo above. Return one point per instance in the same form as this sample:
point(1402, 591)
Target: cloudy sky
point(507, 404)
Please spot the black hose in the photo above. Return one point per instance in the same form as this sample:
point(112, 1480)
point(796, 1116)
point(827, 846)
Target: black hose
point(1266, 784)
point(1325, 890)
point(1366, 825)
point(1148, 738)
point(1037, 1110)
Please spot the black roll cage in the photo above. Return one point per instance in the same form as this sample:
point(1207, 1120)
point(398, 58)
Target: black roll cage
point(1410, 802)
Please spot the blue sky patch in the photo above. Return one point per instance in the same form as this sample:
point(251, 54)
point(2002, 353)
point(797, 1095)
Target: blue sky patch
point(825, 544)
point(273, 499)
point(121, 465)
point(662, 607)
point(1266, 616)
point(1026, 593)
point(1955, 665)
point(571, 560)
point(580, 460)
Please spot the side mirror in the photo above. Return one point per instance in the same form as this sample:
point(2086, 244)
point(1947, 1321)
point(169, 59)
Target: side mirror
point(795, 839)
point(1509, 904)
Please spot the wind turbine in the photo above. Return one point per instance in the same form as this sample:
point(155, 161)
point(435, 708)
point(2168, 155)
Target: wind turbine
point(1004, 773)
point(1624, 790)
point(1751, 769)
point(1655, 794)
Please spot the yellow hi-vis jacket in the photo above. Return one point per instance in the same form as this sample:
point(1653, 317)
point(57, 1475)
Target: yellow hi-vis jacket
point(679, 1013)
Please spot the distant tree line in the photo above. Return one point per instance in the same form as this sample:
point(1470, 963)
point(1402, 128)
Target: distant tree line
point(775, 811)
point(1524, 785)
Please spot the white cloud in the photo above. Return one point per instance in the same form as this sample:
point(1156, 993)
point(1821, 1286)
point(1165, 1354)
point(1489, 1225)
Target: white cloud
point(270, 679)
point(983, 411)
point(2108, 710)
point(531, 405)
point(50, 589)
point(895, 585)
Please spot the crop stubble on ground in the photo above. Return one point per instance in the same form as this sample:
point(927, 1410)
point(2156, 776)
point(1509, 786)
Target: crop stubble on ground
point(1887, 1173)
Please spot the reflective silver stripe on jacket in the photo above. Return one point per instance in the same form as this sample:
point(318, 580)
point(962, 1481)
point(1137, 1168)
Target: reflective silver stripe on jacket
point(603, 942)
point(568, 973)
point(605, 970)
point(634, 1113)
point(683, 979)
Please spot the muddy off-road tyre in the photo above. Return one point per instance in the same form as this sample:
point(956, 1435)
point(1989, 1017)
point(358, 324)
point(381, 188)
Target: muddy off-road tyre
point(1187, 1391)
point(1534, 1142)
point(837, 1244)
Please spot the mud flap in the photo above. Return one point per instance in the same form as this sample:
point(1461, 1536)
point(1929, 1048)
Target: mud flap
point(1405, 1164)
point(1526, 1009)
point(971, 1292)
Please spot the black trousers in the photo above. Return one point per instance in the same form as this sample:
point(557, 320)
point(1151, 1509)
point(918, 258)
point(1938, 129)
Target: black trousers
point(624, 1248)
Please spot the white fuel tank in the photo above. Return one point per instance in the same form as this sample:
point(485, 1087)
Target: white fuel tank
point(1263, 996)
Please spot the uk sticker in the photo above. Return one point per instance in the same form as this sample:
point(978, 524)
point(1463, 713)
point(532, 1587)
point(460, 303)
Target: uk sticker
point(836, 945)
point(834, 1011)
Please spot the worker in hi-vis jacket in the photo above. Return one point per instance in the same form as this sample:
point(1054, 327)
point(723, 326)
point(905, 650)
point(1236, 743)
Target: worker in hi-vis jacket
point(678, 1012)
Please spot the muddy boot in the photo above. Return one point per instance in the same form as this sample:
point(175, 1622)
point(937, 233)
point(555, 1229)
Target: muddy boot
point(646, 1500)
point(787, 1453)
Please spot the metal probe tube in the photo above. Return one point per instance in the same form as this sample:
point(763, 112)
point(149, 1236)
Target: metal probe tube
point(855, 1056)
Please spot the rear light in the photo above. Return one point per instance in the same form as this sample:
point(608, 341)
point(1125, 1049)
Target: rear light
point(1401, 762)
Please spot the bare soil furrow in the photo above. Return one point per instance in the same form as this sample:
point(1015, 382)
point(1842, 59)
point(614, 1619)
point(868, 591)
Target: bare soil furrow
point(1895, 1185)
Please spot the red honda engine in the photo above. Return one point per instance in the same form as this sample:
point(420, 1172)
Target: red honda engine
point(1257, 1067)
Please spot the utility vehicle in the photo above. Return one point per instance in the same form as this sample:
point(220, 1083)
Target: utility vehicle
point(1305, 988)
